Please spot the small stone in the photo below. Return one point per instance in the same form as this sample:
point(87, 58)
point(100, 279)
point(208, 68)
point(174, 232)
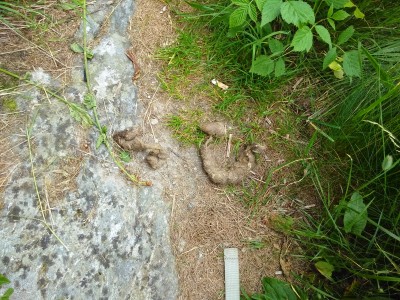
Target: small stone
point(181, 246)
point(154, 121)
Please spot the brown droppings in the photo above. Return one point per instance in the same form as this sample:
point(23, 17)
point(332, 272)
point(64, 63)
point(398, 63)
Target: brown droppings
point(157, 158)
point(223, 170)
point(217, 129)
point(129, 139)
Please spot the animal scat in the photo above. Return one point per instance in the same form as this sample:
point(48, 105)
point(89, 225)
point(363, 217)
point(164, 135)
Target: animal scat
point(129, 139)
point(232, 172)
point(128, 134)
point(156, 158)
point(217, 129)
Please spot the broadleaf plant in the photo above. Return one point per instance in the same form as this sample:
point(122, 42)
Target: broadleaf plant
point(278, 28)
point(355, 216)
point(297, 13)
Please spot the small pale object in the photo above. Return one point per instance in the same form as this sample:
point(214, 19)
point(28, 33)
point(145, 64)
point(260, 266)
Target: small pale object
point(219, 84)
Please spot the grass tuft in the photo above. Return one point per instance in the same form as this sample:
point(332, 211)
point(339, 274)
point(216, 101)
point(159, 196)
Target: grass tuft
point(345, 133)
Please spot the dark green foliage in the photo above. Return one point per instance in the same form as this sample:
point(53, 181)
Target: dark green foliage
point(354, 242)
point(6, 295)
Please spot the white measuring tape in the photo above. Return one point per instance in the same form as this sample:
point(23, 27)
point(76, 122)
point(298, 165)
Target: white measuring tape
point(232, 285)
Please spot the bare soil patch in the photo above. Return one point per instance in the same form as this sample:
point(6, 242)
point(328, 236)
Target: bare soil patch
point(205, 218)
point(41, 43)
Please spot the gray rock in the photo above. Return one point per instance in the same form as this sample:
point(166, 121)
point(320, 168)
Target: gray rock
point(105, 238)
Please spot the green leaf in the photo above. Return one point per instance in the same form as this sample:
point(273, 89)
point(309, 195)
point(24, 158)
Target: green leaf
point(297, 13)
point(263, 66)
point(232, 32)
point(324, 34)
point(76, 48)
point(340, 15)
point(329, 57)
point(104, 129)
point(332, 23)
point(79, 49)
point(358, 14)
point(125, 156)
point(337, 70)
point(330, 11)
point(89, 54)
point(100, 140)
point(275, 46)
point(80, 116)
point(69, 6)
point(352, 63)
point(387, 163)
point(280, 67)
point(276, 289)
point(7, 294)
point(89, 101)
point(78, 2)
point(75, 115)
point(3, 280)
point(303, 39)
point(200, 6)
point(325, 268)
point(338, 74)
point(345, 35)
point(349, 4)
point(337, 3)
point(355, 216)
point(252, 11)
point(9, 291)
point(243, 3)
point(238, 17)
point(270, 11)
point(260, 4)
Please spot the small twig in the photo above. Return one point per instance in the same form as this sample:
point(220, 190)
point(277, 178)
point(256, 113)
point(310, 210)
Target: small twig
point(147, 112)
point(45, 224)
point(256, 179)
point(287, 137)
point(14, 51)
point(36, 46)
point(52, 56)
point(308, 206)
point(28, 135)
point(9, 175)
point(228, 148)
point(297, 83)
point(48, 202)
point(194, 248)
point(173, 207)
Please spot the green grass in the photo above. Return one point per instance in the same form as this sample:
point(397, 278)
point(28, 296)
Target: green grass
point(38, 22)
point(8, 104)
point(185, 127)
point(362, 119)
point(21, 11)
point(350, 127)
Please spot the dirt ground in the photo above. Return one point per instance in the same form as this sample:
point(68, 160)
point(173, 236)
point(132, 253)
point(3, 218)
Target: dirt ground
point(209, 218)
point(205, 218)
